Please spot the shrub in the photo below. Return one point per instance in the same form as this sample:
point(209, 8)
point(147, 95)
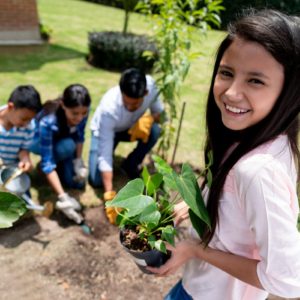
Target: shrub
point(115, 51)
point(45, 32)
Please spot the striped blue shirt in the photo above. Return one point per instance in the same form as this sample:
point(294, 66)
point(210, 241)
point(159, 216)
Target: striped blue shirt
point(14, 140)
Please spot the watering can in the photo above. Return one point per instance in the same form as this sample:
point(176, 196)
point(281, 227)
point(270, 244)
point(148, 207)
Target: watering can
point(15, 181)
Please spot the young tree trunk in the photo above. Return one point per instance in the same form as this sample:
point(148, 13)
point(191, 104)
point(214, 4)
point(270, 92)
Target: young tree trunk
point(126, 19)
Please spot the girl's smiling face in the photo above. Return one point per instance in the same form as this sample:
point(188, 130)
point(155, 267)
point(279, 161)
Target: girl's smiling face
point(248, 82)
point(76, 114)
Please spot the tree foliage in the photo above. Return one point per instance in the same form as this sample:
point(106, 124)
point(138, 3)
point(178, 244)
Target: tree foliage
point(172, 28)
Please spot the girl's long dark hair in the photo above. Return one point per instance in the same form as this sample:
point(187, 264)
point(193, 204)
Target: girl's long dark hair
point(279, 34)
point(74, 95)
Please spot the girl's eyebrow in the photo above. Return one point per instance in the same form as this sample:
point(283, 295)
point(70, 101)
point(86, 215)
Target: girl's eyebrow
point(258, 74)
point(225, 66)
point(254, 73)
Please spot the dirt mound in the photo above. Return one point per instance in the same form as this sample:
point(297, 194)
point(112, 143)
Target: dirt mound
point(53, 259)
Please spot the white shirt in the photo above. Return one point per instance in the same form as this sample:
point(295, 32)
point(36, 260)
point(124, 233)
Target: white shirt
point(111, 116)
point(257, 219)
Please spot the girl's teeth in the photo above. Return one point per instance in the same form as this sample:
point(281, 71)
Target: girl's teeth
point(235, 109)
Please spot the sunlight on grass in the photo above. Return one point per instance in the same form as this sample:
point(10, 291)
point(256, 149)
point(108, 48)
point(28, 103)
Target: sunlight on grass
point(50, 68)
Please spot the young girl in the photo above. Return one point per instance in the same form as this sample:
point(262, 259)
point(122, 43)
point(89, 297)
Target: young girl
point(59, 140)
point(253, 247)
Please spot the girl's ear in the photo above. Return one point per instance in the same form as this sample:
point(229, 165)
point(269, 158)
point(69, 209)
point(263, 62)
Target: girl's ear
point(146, 93)
point(62, 105)
point(10, 106)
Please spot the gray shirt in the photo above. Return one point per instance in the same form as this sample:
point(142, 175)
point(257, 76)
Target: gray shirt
point(111, 116)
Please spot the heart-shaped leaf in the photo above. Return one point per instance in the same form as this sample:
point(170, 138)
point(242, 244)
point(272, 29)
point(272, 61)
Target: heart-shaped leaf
point(131, 189)
point(190, 192)
point(150, 215)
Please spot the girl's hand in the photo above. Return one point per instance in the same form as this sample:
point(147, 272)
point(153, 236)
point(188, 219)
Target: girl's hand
point(183, 251)
point(181, 212)
point(25, 166)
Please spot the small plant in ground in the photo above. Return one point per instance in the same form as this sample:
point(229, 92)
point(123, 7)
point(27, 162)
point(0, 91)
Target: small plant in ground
point(11, 209)
point(147, 207)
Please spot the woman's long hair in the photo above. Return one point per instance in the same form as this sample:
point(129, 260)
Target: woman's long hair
point(279, 34)
point(73, 96)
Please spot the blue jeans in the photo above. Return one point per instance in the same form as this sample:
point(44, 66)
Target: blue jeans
point(135, 158)
point(178, 293)
point(64, 151)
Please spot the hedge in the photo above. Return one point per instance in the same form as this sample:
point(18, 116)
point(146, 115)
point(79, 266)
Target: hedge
point(115, 51)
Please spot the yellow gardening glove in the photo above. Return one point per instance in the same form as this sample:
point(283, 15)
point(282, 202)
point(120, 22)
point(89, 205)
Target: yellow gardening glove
point(142, 128)
point(111, 212)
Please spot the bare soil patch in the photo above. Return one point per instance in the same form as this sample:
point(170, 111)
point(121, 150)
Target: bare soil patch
point(53, 259)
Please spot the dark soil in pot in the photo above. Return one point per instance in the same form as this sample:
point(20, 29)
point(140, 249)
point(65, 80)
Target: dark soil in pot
point(141, 252)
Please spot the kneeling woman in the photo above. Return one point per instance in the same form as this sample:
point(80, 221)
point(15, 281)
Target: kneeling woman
point(59, 139)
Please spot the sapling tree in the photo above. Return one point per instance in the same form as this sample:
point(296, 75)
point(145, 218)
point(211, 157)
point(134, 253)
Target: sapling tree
point(129, 6)
point(173, 23)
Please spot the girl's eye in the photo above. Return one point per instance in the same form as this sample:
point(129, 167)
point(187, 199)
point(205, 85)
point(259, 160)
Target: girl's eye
point(256, 81)
point(225, 73)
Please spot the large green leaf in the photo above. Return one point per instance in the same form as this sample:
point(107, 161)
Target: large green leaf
point(197, 223)
point(134, 205)
point(11, 209)
point(131, 198)
point(132, 188)
point(190, 192)
point(150, 215)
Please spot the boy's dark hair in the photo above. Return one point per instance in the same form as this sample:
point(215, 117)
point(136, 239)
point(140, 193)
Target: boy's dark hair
point(133, 83)
point(279, 34)
point(26, 96)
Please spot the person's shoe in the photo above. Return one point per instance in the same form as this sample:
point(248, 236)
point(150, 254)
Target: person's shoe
point(130, 170)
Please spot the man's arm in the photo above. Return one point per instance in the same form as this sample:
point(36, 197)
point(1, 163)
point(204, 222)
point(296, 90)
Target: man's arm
point(105, 154)
point(107, 179)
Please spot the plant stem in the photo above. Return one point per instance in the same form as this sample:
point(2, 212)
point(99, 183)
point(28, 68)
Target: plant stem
point(126, 19)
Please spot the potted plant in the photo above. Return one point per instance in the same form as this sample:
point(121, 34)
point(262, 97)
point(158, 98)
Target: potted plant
point(146, 216)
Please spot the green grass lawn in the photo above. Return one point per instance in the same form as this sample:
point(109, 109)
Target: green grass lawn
point(50, 68)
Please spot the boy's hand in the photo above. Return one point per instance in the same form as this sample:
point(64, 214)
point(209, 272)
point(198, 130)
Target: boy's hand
point(25, 166)
point(25, 163)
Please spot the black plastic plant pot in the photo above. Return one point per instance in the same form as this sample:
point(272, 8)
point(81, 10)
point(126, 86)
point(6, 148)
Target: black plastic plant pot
point(151, 258)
